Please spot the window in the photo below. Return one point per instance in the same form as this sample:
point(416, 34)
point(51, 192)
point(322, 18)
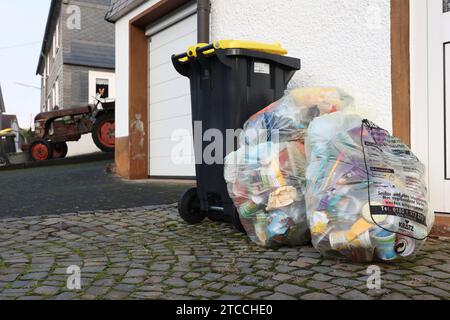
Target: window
point(102, 88)
point(101, 84)
point(55, 96)
point(47, 65)
point(446, 5)
point(54, 47)
point(57, 41)
point(55, 44)
point(56, 88)
point(52, 106)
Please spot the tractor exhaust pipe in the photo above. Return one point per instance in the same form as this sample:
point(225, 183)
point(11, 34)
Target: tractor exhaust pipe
point(203, 20)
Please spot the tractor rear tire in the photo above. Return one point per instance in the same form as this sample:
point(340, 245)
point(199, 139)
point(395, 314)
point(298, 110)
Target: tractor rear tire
point(41, 151)
point(3, 161)
point(60, 150)
point(103, 132)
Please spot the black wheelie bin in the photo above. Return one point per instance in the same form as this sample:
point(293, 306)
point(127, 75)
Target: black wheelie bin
point(230, 81)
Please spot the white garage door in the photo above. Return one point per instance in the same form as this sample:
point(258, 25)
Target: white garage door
point(170, 120)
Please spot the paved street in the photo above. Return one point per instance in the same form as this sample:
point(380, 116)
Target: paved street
point(148, 253)
point(78, 187)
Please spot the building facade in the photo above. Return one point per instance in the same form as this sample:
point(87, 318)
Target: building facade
point(9, 121)
point(77, 59)
point(2, 102)
point(388, 54)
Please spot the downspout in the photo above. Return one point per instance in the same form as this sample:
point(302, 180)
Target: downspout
point(203, 20)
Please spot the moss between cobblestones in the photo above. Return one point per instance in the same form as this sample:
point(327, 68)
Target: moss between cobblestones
point(303, 282)
point(7, 286)
point(77, 251)
point(101, 275)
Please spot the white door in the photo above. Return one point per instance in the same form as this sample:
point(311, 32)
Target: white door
point(439, 103)
point(170, 119)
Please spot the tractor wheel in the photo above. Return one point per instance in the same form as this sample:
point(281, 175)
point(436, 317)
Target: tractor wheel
point(104, 132)
point(189, 207)
point(60, 150)
point(3, 161)
point(41, 151)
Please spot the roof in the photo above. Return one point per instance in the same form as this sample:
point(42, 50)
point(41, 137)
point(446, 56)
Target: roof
point(53, 14)
point(52, 20)
point(120, 8)
point(91, 55)
point(2, 102)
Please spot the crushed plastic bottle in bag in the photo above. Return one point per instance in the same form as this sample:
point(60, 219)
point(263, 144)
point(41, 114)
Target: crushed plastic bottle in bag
point(366, 193)
point(268, 194)
point(266, 176)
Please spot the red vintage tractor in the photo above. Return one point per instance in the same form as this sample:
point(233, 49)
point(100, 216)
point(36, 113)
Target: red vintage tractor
point(55, 128)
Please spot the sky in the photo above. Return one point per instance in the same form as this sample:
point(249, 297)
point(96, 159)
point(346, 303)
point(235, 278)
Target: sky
point(22, 26)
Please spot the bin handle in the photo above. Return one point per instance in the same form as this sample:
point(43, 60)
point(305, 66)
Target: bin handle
point(205, 48)
point(179, 62)
point(178, 57)
point(192, 52)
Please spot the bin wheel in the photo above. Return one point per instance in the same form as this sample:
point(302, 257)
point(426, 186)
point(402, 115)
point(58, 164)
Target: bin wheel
point(236, 220)
point(60, 150)
point(41, 151)
point(189, 207)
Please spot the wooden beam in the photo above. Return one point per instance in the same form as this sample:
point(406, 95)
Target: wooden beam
point(136, 147)
point(443, 220)
point(138, 103)
point(400, 52)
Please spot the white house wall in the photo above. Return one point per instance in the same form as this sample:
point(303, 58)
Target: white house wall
point(343, 43)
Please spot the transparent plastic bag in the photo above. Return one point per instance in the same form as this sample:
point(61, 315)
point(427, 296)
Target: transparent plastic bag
point(288, 118)
point(366, 193)
point(266, 176)
point(268, 188)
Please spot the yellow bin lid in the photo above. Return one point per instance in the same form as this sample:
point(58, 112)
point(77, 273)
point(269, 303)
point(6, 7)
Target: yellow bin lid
point(272, 48)
point(5, 132)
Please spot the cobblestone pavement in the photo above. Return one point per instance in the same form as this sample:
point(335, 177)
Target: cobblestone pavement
point(148, 253)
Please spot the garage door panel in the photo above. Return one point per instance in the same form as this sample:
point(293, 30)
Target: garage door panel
point(174, 32)
point(165, 147)
point(162, 74)
point(163, 54)
point(164, 169)
point(170, 102)
point(171, 109)
point(169, 90)
point(166, 128)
